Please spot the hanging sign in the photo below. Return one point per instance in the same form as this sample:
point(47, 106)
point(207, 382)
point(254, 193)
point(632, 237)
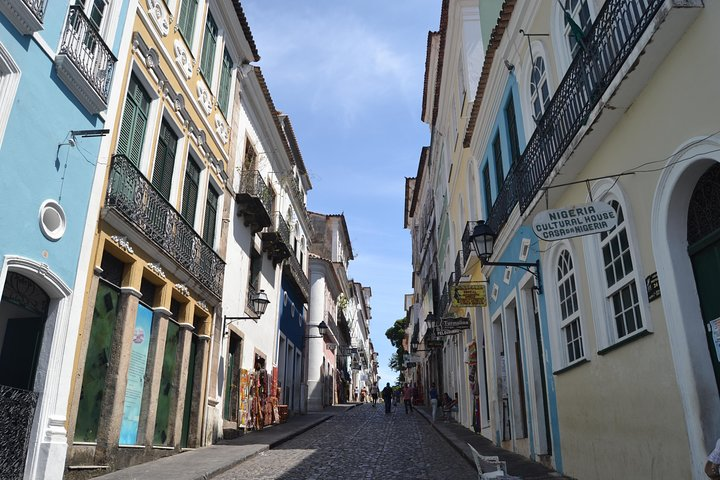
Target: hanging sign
point(434, 343)
point(469, 294)
point(453, 323)
point(574, 221)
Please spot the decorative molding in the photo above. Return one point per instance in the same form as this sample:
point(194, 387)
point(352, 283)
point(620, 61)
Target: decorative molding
point(183, 58)
point(221, 128)
point(204, 97)
point(157, 269)
point(182, 288)
point(123, 243)
point(203, 306)
point(160, 16)
point(131, 291)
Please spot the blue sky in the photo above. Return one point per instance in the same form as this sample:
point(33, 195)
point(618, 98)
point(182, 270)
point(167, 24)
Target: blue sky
point(350, 73)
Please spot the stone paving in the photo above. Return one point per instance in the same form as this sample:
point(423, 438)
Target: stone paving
point(362, 443)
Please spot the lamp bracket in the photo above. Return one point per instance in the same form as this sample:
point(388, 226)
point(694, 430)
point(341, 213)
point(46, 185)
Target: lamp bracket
point(527, 266)
point(228, 320)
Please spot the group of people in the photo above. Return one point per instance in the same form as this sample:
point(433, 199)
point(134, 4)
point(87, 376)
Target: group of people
point(408, 393)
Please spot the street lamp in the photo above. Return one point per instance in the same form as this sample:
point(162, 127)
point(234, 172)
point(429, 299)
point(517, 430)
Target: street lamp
point(483, 242)
point(322, 330)
point(258, 303)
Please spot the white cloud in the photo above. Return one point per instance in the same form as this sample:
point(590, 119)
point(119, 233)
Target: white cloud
point(335, 60)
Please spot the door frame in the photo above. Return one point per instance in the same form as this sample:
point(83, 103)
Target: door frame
point(693, 367)
point(52, 381)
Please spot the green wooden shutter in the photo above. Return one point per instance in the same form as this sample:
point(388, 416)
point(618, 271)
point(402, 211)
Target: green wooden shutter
point(164, 160)
point(210, 216)
point(208, 50)
point(134, 120)
point(190, 191)
point(186, 21)
point(225, 81)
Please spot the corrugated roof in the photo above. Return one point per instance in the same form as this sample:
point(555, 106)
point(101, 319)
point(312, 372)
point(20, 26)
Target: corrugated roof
point(274, 111)
point(427, 73)
point(246, 29)
point(441, 54)
point(495, 37)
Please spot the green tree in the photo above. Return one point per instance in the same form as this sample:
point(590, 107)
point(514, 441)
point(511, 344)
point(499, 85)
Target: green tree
point(396, 334)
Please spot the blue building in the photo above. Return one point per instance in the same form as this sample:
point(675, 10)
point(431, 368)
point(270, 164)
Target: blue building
point(56, 73)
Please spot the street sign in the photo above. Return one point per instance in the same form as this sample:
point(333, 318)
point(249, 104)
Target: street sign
point(452, 323)
point(574, 221)
point(469, 294)
point(434, 343)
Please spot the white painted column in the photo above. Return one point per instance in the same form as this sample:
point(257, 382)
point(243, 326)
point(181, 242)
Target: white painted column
point(315, 346)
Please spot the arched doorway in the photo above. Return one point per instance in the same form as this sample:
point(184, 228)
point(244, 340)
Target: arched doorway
point(23, 314)
point(703, 236)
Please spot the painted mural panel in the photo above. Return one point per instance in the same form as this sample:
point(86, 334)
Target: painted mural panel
point(136, 376)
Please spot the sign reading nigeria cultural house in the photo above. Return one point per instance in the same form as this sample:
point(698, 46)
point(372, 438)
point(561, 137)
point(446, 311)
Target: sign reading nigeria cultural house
point(574, 221)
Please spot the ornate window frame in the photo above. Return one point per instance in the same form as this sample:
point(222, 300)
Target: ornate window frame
point(559, 34)
point(606, 331)
point(9, 81)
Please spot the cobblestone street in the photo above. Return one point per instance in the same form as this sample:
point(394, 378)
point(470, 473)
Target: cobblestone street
point(362, 443)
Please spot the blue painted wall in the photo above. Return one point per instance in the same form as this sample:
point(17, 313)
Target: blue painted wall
point(500, 126)
point(34, 163)
point(511, 253)
point(292, 321)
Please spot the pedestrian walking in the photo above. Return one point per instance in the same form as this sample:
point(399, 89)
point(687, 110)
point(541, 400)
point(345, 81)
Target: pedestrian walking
point(433, 400)
point(357, 393)
point(397, 393)
point(387, 394)
point(374, 393)
point(407, 398)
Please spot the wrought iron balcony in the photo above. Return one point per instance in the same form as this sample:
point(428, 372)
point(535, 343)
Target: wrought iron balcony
point(458, 266)
point(26, 15)
point(444, 301)
point(140, 203)
point(466, 244)
point(254, 201)
point(84, 62)
point(615, 33)
point(276, 239)
point(17, 410)
point(294, 269)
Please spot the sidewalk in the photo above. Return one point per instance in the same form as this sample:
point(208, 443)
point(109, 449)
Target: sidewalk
point(206, 462)
point(458, 437)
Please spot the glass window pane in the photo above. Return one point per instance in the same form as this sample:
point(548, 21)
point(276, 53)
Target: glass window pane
point(97, 360)
point(167, 376)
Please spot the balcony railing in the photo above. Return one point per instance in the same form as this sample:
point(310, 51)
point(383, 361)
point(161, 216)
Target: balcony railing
point(254, 201)
point(458, 266)
point(26, 15)
point(91, 58)
point(298, 275)
point(37, 7)
point(17, 410)
point(276, 240)
point(615, 33)
point(466, 246)
point(136, 199)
